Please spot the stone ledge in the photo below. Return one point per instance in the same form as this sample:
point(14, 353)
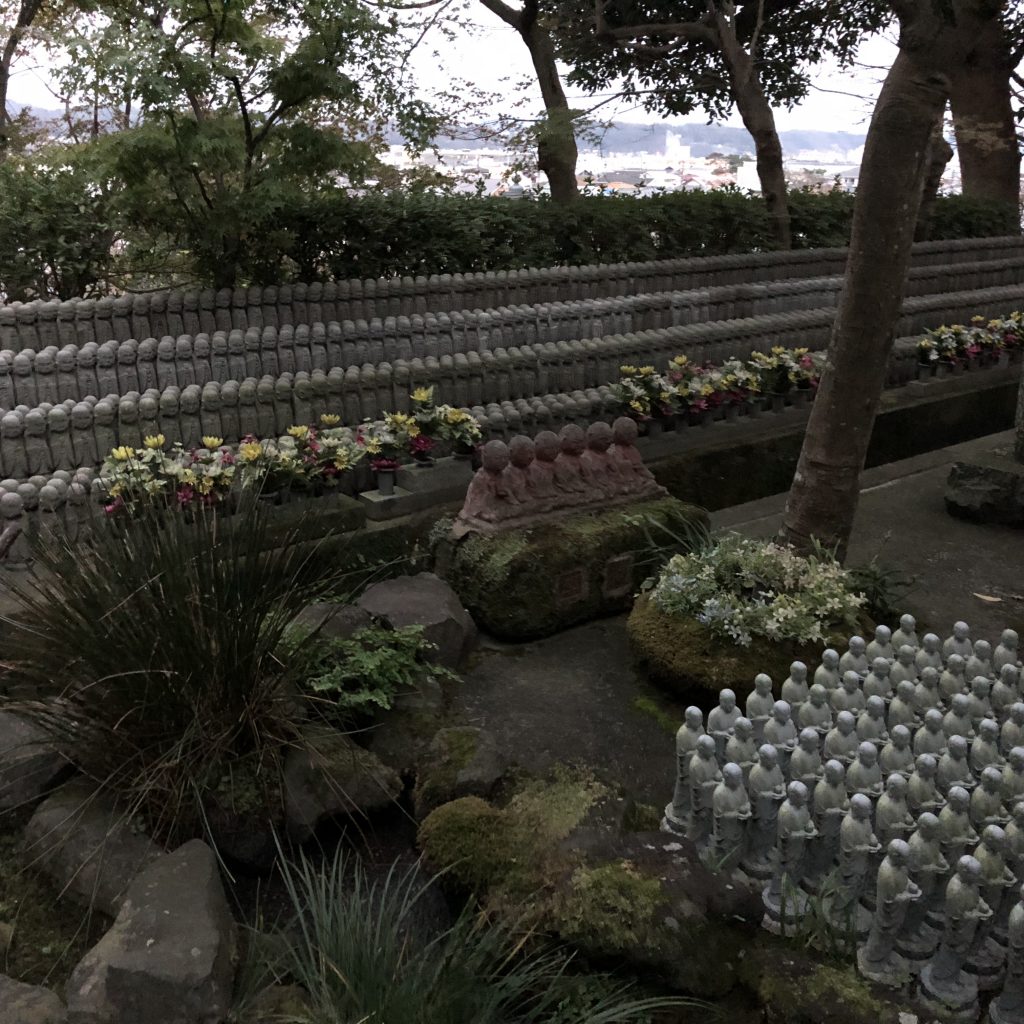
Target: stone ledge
point(988, 489)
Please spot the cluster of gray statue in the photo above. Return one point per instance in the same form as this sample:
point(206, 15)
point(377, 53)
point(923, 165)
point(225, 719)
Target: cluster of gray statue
point(889, 784)
point(569, 471)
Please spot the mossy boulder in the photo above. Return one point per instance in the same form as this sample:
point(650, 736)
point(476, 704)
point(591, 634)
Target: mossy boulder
point(461, 761)
point(683, 656)
point(556, 853)
point(539, 579)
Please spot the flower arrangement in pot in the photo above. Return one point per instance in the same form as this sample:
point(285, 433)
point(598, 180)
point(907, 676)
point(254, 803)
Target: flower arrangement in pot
point(202, 476)
point(338, 451)
point(384, 441)
point(268, 467)
point(740, 385)
point(693, 387)
point(459, 430)
point(645, 395)
point(136, 477)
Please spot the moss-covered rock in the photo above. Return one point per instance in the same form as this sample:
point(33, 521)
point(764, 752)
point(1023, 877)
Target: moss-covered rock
point(539, 579)
point(683, 656)
point(461, 761)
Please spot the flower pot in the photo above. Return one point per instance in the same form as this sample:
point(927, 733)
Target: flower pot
point(655, 428)
point(777, 402)
point(924, 371)
point(386, 482)
point(732, 412)
point(973, 362)
point(1004, 360)
point(755, 406)
point(943, 369)
point(956, 368)
point(421, 461)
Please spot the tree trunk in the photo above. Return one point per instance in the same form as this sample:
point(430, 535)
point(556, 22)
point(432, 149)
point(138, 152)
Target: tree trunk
point(942, 153)
point(557, 152)
point(823, 497)
point(26, 15)
point(983, 121)
point(759, 120)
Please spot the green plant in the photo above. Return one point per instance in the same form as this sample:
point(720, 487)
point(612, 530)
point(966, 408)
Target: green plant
point(365, 950)
point(153, 646)
point(369, 669)
point(884, 589)
point(741, 588)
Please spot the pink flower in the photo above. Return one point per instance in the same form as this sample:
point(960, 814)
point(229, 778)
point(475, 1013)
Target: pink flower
point(185, 495)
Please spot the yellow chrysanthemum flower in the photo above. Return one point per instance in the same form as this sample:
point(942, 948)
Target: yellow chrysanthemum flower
point(188, 477)
point(122, 454)
point(423, 395)
point(250, 451)
point(627, 369)
point(115, 490)
point(330, 419)
point(299, 433)
point(373, 446)
point(211, 443)
point(205, 485)
point(342, 460)
point(154, 441)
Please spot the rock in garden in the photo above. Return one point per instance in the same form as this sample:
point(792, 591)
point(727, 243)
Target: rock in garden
point(427, 601)
point(463, 761)
point(332, 621)
point(167, 959)
point(989, 490)
point(29, 1004)
point(327, 774)
point(87, 845)
point(400, 736)
point(29, 762)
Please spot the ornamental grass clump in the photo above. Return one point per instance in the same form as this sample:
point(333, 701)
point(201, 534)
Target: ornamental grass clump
point(153, 646)
point(742, 589)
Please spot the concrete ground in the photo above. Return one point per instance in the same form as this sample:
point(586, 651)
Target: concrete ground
point(576, 697)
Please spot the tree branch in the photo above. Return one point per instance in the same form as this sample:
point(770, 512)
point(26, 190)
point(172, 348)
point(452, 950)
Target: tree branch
point(509, 15)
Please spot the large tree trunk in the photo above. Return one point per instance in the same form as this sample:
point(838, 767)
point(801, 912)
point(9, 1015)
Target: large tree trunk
point(557, 152)
point(759, 120)
point(983, 121)
point(26, 15)
point(941, 154)
point(823, 497)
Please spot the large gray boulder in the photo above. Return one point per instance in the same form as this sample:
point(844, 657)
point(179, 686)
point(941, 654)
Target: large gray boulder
point(29, 1004)
point(987, 490)
point(86, 844)
point(332, 621)
point(326, 774)
point(427, 601)
point(167, 959)
point(460, 761)
point(29, 762)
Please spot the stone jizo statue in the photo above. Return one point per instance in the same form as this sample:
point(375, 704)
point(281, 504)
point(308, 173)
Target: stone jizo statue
point(931, 737)
point(783, 901)
point(985, 748)
point(903, 707)
point(906, 634)
point(895, 891)
point(957, 829)
point(855, 659)
point(767, 789)
point(981, 706)
point(1008, 1006)
point(928, 867)
point(922, 794)
point(864, 776)
point(929, 655)
point(849, 696)
point(905, 666)
point(741, 748)
point(731, 812)
point(926, 694)
point(815, 712)
point(987, 801)
point(759, 705)
point(959, 643)
point(1012, 733)
point(1005, 692)
point(892, 816)
point(957, 721)
point(1006, 653)
point(881, 645)
point(722, 721)
point(780, 732)
point(805, 763)
point(871, 723)
point(827, 673)
point(678, 811)
point(955, 767)
point(795, 690)
point(841, 741)
point(857, 845)
point(704, 777)
point(897, 757)
point(980, 661)
point(877, 682)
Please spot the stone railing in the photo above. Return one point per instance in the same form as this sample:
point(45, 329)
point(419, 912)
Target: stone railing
point(192, 312)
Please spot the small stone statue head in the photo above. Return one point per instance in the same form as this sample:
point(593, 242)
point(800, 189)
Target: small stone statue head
point(860, 807)
point(732, 775)
point(959, 799)
point(796, 793)
point(35, 423)
point(11, 506)
point(781, 712)
point(930, 643)
point(87, 355)
point(908, 623)
point(989, 730)
point(956, 664)
point(1017, 812)
point(991, 779)
point(57, 420)
point(22, 365)
point(81, 416)
point(994, 838)
point(599, 436)
point(928, 825)
point(898, 852)
point(901, 737)
point(818, 695)
point(809, 740)
point(573, 439)
point(1016, 759)
point(521, 451)
point(851, 682)
point(625, 431)
point(107, 355)
point(767, 756)
point(546, 446)
point(906, 655)
point(835, 773)
point(925, 766)
point(880, 668)
point(49, 498)
point(190, 399)
point(845, 722)
point(727, 701)
point(1016, 711)
point(896, 786)
point(694, 718)
point(798, 672)
point(867, 755)
point(883, 634)
point(968, 870)
point(957, 748)
point(1009, 639)
point(905, 691)
point(982, 650)
point(744, 728)
point(875, 707)
point(857, 645)
point(929, 678)
point(495, 457)
point(961, 705)
point(303, 388)
point(1010, 674)
point(830, 659)
point(763, 684)
point(706, 748)
point(961, 631)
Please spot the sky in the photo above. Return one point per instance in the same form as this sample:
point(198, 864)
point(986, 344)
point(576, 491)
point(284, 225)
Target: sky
point(492, 56)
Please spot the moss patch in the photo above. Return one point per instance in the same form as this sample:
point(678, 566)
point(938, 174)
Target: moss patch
point(539, 579)
point(435, 781)
point(683, 656)
point(49, 935)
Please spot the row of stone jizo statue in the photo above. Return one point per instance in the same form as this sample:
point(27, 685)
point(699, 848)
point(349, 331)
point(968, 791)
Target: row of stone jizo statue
point(571, 471)
point(592, 337)
point(891, 789)
point(156, 314)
